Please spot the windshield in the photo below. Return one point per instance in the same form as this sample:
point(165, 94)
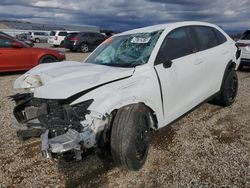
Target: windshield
point(125, 51)
point(246, 35)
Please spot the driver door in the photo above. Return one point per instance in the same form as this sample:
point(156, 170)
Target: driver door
point(182, 83)
point(13, 58)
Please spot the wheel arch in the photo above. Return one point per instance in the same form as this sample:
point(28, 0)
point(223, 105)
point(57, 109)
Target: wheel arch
point(231, 65)
point(153, 116)
point(46, 55)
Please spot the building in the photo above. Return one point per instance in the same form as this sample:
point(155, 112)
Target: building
point(16, 27)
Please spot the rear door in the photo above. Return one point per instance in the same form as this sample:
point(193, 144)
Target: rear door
point(13, 58)
point(216, 54)
point(182, 83)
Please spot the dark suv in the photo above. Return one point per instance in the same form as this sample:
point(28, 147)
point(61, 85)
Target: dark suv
point(83, 41)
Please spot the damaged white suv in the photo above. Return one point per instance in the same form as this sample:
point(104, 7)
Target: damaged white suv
point(134, 82)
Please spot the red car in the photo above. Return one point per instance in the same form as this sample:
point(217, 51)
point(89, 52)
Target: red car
point(16, 55)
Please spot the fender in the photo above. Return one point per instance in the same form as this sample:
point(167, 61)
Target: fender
point(230, 66)
point(115, 95)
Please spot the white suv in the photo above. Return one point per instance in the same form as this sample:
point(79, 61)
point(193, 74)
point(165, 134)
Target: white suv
point(244, 45)
point(56, 38)
point(134, 82)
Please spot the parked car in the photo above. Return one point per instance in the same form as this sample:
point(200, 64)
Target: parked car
point(15, 55)
point(57, 38)
point(30, 43)
point(134, 82)
point(39, 36)
point(244, 45)
point(25, 37)
point(83, 41)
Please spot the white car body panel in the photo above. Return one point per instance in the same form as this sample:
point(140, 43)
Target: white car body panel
point(64, 79)
point(56, 41)
point(140, 84)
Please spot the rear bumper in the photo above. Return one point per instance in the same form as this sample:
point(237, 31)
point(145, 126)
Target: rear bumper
point(69, 45)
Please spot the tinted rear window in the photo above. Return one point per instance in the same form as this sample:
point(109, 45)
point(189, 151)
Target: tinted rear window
point(52, 33)
point(62, 33)
point(246, 35)
point(71, 35)
point(206, 37)
point(220, 37)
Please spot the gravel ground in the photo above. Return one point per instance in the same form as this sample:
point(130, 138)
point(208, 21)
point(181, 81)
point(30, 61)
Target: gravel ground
point(208, 148)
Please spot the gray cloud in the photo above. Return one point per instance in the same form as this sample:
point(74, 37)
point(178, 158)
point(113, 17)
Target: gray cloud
point(123, 14)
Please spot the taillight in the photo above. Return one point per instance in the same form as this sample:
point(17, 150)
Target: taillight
point(73, 39)
point(55, 37)
point(239, 44)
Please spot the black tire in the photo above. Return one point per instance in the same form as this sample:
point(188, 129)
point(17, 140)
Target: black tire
point(62, 44)
point(47, 59)
point(229, 90)
point(130, 136)
point(84, 47)
point(55, 46)
point(37, 40)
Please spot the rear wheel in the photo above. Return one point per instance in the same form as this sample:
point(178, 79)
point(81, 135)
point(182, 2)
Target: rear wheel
point(229, 90)
point(37, 40)
point(130, 136)
point(84, 48)
point(47, 59)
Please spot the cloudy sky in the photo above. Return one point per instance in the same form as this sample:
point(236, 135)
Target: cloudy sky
point(232, 15)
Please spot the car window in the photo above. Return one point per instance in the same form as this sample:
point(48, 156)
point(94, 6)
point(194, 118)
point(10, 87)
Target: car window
point(92, 35)
point(62, 34)
point(5, 42)
point(246, 35)
point(220, 37)
point(69, 35)
point(98, 35)
point(52, 33)
point(206, 37)
point(177, 44)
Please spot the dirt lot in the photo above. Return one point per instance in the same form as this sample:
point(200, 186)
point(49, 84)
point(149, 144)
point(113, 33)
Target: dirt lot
point(208, 148)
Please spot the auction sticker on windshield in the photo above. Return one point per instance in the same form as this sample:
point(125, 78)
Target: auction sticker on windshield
point(140, 40)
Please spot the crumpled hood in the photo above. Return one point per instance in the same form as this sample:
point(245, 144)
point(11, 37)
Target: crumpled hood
point(64, 79)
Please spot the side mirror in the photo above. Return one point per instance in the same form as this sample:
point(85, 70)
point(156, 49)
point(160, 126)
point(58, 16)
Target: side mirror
point(168, 63)
point(16, 44)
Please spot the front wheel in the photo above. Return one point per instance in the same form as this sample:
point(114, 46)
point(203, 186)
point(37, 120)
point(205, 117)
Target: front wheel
point(229, 90)
point(130, 136)
point(47, 59)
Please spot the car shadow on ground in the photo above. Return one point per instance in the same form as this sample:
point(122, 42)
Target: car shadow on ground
point(12, 73)
point(86, 172)
point(245, 69)
point(96, 167)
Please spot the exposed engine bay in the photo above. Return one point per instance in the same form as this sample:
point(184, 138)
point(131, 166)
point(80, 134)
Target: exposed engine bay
point(64, 129)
